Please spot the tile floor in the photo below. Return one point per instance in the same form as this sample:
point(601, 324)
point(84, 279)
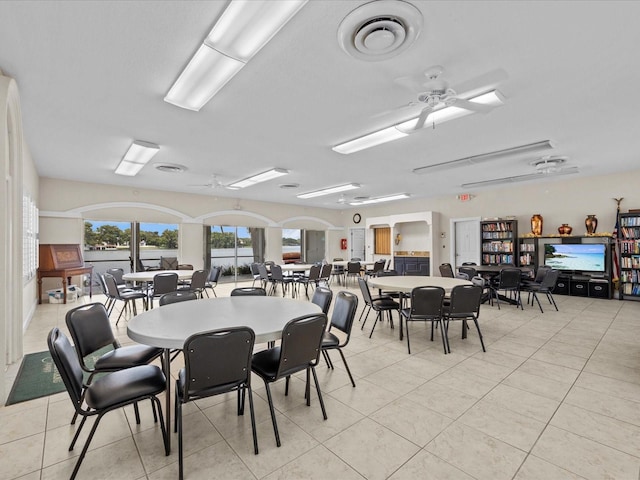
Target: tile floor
point(556, 396)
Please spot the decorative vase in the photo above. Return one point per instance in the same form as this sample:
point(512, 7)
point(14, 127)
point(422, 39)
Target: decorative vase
point(565, 229)
point(591, 222)
point(536, 224)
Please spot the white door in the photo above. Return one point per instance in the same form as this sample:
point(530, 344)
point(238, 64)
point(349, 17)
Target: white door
point(357, 243)
point(466, 233)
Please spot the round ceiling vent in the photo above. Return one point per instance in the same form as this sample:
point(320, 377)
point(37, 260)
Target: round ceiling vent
point(289, 185)
point(169, 167)
point(549, 164)
point(380, 30)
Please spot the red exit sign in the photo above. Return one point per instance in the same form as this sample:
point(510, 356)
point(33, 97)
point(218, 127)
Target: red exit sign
point(465, 197)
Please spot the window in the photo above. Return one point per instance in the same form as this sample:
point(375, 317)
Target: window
point(291, 245)
point(382, 241)
point(234, 248)
point(29, 238)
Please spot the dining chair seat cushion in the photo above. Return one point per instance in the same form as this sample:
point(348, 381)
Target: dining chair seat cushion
point(266, 362)
point(124, 385)
point(125, 357)
point(330, 340)
point(385, 302)
point(132, 295)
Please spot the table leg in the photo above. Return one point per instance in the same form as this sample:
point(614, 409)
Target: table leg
point(166, 366)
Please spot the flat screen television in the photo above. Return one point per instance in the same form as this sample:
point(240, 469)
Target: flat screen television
point(579, 257)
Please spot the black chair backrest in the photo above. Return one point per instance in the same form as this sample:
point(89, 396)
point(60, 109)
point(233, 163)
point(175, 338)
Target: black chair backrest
point(301, 343)
point(168, 263)
point(276, 273)
point(509, 278)
point(112, 287)
point(325, 271)
point(465, 301)
point(364, 289)
point(549, 280)
point(378, 266)
point(264, 274)
point(165, 283)
point(356, 259)
point(470, 271)
point(446, 270)
point(248, 291)
point(426, 302)
point(199, 279)
point(322, 297)
point(117, 273)
point(214, 274)
point(176, 297)
point(103, 284)
point(255, 271)
point(344, 311)
point(338, 259)
point(66, 361)
point(314, 272)
point(541, 273)
point(90, 328)
point(217, 360)
point(468, 263)
point(353, 267)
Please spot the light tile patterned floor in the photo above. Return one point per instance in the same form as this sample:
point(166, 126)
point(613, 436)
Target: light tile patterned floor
point(556, 396)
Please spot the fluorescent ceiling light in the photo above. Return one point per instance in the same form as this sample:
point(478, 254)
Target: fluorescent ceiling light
point(328, 191)
point(401, 130)
point(137, 156)
point(388, 198)
point(484, 157)
point(521, 178)
point(243, 29)
point(261, 177)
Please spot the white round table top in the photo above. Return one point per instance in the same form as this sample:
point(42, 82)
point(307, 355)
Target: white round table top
point(296, 267)
point(147, 276)
point(407, 283)
point(343, 263)
point(169, 326)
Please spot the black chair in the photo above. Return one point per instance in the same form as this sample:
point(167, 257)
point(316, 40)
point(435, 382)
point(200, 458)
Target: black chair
point(311, 279)
point(129, 297)
point(168, 263)
point(248, 291)
point(212, 280)
point(509, 283)
point(277, 278)
point(537, 280)
point(353, 270)
point(344, 312)
point(470, 271)
point(176, 297)
point(255, 273)
point(265, 278)
point(464, 305)
point(426, 306)
point(197, 284)
point(117, 274)
point(163, 283)
point(325, 275)
point(109, 392)
point(338, 270)
point(299, 350)
point(108, 303)
point(322, 297)
point(446, 270)
point(378, 266)
point(216, 362)
point(378, 304)
point(546, 286)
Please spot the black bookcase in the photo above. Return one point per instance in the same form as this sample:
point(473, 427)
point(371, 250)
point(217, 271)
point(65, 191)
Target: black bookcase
point(499, 241)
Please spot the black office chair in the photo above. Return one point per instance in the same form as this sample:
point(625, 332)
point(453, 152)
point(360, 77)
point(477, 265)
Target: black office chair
point(299, 350)
point(129, 297)
point(378, 304)
point(216, 362)
point(446, 270)
point(109, 392)
point(212, 280)
point(426, 306)
point(344, 312)
point(464, 305)
point(322, 297)
point(163, 283)
point(249, 292)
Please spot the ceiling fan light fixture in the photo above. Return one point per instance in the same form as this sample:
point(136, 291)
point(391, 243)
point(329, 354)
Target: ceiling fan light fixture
point(259, 178)
point(241, 31)
point(387, 198)
point(137, 156)
point(549, 164)
point(401, 130)
point(329, 191)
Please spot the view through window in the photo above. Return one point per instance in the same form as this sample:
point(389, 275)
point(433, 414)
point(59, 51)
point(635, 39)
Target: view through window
point(234, 249)
point(291, 245)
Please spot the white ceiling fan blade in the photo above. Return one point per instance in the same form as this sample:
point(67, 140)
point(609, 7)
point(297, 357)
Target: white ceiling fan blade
point(481, 83)
point(426, 111)
point(521, 178)
point(467, 105)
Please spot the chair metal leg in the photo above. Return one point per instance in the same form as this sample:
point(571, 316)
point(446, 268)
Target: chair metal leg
point(315, 379)
point(479, 334)
point(445, 340)
point(253, 420)
point(273, 413)
point(346, 365)
point(179, 428)
point(378, 317)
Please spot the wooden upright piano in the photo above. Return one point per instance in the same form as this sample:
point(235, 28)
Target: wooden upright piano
point(64, 261)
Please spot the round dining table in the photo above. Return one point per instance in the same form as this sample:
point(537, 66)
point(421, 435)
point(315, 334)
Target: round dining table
point(404, 284)
point(147, 275)
point(169, 326)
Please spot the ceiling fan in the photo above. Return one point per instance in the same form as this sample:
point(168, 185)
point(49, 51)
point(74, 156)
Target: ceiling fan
point(214, 184)
point(435, 93)
point(544, 167)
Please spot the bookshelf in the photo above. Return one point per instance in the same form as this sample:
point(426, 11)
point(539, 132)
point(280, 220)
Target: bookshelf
point(499, 241)
point(528, 252)
point(629, 248)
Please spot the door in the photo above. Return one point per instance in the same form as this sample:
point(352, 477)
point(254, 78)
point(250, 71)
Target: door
point(357, 243)
point(466, 234)
point(314, 246)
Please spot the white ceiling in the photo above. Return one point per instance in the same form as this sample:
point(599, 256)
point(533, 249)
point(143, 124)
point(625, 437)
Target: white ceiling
point(92, 77)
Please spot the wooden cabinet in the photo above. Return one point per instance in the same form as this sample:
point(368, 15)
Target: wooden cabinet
point(629, 248)
point(499, 241)
point(62, 261)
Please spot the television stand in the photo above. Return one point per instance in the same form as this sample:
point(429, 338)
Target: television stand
point(580, 285)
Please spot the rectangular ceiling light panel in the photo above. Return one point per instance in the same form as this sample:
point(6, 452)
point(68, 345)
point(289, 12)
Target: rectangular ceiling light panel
point(137, 156)
point(243, 29)
point(329, 191)
point(388, 198)
point(401, 130)
point(261, 177)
